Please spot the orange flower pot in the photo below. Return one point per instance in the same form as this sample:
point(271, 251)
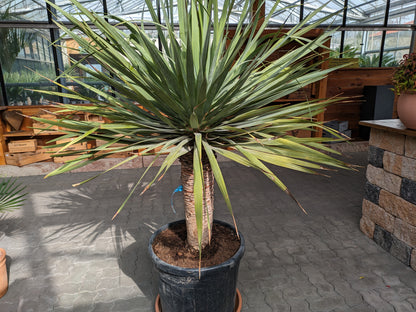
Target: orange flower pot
point(406, 109)
point(4, 283)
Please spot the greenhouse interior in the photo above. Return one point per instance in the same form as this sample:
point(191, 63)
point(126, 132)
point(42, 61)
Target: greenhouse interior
point(377, 33)
point(299, 114)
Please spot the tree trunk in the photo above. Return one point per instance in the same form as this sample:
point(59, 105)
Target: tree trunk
point(187, 178)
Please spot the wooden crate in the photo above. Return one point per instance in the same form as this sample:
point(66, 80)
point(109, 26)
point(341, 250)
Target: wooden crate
point(22, 146)
point(47, 116)
point(95, 118)
point(22, 159)
point(45, 129)
point(115, 155)
point(73, 147)
point(50, 151)
point(75, 117)
point(47, 149)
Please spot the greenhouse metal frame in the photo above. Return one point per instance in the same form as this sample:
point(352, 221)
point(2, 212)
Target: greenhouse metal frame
point(381, 29)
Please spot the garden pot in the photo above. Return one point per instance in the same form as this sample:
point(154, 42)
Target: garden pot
point(4, 283)
point(237, 308)
point(183, 290)
point(406, 109)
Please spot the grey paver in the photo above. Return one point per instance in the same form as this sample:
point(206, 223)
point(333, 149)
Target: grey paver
point(65, 253)
point(373, 298)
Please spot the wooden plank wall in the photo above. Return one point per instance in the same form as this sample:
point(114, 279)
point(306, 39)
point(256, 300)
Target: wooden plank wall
point(350, 83)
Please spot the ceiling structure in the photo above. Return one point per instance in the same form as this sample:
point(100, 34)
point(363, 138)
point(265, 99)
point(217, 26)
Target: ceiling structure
point(378, 30)
point(400, 12)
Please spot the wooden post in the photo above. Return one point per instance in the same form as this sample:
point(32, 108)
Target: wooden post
point(3, 147)
point(322, 91)
point(259, 5)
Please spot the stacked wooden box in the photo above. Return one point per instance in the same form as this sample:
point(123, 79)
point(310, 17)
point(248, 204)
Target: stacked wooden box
point(38, 148)
point(24, 152)
point(73, 147)
point(43, 128)
point(115, 145)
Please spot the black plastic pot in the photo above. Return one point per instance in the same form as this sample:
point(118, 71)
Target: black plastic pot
point(181, 289)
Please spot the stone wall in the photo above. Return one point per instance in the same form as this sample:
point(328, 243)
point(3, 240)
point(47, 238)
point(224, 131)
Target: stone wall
point(389, 204)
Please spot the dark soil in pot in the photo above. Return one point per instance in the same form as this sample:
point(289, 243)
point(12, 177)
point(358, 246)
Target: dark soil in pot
point(170, 246)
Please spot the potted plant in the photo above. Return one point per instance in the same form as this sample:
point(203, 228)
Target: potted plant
point(202, 94)
point(404, 82)
point(11, 197)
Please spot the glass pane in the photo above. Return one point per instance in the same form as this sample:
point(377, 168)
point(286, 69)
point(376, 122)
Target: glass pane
point(23, 10)
point(353, 43)
point(330, 8)
point(236, 12)
point(366, 46)
point(366, 12)
point(370, 50)
point(284, 14)
point(398, 55)
point(72, 53)
point(130, 10)
point(26, 60)
point(401, 13)
point(396, 45)
point(335, 44)
point(91, 5)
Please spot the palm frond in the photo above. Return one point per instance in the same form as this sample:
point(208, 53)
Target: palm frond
point(209, 91)
point(11, 194)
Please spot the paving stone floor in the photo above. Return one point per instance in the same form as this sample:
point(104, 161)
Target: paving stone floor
point(65, 253)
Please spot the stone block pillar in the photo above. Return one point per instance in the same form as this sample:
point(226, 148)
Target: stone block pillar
point(389, 204)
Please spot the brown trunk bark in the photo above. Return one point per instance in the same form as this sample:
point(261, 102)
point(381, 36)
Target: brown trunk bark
point(187, 178)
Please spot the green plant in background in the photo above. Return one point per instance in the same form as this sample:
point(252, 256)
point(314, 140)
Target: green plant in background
point(349, 52)
point(28, 76)
point(374, 60)
point(11, 194)
point(13, 40)
point(364, 60)
point(206, 93)
point(404, 77)
point(19, 85)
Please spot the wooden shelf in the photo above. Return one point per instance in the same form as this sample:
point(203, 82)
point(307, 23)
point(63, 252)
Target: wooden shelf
point(18, 134)
point(15, 134)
